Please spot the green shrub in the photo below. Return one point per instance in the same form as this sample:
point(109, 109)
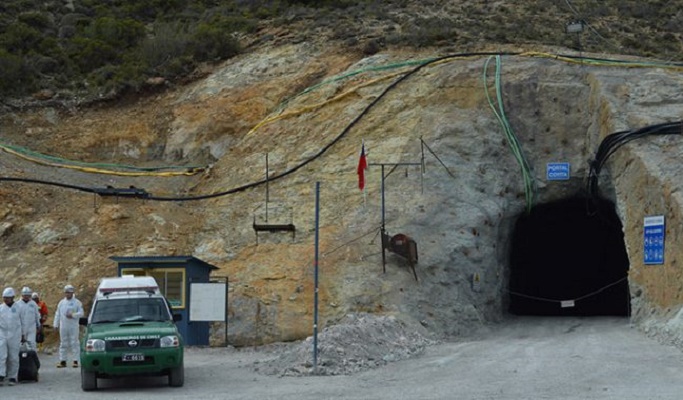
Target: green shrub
point(121, 34)
point(20, 38)
point(236, 23)
point(128, 76)
point(211, 41)
point(15, 77)
point(169, 41)
point(90, 54)
point(325, 3)
point(49, 46)
point(145, 10)
point(35, 19)
point(45, 65)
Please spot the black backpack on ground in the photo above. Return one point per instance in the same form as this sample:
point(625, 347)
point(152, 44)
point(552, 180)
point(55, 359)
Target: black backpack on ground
point(29, 364)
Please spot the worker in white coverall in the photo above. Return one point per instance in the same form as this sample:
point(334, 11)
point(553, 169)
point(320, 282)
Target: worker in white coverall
point(30, 318)
point(69, 310)
point(10, 337)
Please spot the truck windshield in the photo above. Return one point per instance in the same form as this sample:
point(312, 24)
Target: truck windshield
point(126, 310)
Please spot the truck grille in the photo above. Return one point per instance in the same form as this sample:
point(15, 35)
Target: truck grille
point(123, 344)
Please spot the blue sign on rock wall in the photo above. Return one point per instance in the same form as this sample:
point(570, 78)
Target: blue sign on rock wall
point(653, 239)
point(557, 171)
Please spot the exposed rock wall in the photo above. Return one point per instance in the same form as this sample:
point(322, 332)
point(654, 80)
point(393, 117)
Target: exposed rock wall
point(646, 178)
point(304, 105)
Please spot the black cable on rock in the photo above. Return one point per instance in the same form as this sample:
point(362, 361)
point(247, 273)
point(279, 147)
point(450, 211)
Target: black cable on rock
point(49, 183)
point(303, 163)
point(612, 142)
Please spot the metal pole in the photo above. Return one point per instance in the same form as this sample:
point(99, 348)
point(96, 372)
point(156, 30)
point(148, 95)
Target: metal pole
point(383, 227)
point(382, 196)
point(227, 303)
point(267, 188)
point(422, 167)
point(315, 292)
point(384, 262)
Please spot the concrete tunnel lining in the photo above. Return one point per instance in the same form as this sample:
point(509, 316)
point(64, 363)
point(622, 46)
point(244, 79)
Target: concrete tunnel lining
point(567, 251)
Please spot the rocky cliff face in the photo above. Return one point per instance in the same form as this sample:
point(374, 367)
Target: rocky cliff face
point(308, 109)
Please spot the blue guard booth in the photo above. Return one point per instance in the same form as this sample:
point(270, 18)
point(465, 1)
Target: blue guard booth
point(174, 274)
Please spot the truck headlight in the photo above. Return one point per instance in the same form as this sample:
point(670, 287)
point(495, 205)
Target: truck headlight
point(169, 341)
point(92, 345)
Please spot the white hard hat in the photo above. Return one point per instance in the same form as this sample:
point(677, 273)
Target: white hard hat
point(68, 289)
point(26, 290)
point(8, 292)
point(35, 295)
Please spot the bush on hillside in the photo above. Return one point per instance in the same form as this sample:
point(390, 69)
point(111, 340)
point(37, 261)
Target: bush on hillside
point(15, 74)
point(98, 46)
point(212, 41)
point(111, 46)
point(20, 39)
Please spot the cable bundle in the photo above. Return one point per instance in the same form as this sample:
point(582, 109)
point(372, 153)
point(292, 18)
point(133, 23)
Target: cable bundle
point(612, 142)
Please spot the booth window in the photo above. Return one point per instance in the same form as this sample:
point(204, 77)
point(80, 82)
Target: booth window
point(171, 282)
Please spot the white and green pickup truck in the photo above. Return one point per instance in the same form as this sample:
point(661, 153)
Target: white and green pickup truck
point(130, 332)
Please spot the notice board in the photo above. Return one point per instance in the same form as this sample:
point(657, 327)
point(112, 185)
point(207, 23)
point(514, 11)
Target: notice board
point(207, 301)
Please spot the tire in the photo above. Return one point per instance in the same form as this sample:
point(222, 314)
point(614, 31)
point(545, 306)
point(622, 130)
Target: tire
point(88, 380)
point(176, 376)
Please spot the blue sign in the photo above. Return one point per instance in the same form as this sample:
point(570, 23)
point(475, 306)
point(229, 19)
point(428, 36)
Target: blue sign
point(653, 240)
point(557, 171)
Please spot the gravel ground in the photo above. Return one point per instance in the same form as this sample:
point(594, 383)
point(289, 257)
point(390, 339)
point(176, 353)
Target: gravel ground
point(524, 358)
point(357, 343)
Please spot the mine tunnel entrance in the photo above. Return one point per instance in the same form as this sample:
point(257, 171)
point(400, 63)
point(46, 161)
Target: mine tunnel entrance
point(568, 258)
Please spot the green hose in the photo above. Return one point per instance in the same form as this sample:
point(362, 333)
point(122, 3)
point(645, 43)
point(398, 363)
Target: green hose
point(513, 142)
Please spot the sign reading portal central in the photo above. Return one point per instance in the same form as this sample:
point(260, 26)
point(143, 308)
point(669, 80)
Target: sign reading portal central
point(557, 171)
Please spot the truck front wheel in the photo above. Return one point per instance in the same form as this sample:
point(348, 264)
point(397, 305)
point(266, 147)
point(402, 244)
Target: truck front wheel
point(176, 376)
point(88, 380)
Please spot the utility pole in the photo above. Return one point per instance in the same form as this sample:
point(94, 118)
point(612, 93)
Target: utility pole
point(576, 27)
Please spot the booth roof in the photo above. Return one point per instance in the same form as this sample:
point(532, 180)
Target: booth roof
point(161, 260)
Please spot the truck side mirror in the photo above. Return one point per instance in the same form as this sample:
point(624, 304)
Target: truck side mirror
point(83, 321)
point(177, 317)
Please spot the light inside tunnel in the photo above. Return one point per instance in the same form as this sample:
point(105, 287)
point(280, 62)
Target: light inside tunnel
point(568, 258)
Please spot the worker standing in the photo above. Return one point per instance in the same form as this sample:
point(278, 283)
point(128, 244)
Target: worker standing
point(42, 309)
point(10, 337)
point(30, 318)
point(69, 310)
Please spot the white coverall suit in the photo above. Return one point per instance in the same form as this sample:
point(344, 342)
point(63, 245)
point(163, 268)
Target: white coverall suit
point(68, 327)
point(30, 321)
point(10, 340)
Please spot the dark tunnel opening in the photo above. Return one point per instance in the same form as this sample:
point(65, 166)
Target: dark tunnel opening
point(568, 258)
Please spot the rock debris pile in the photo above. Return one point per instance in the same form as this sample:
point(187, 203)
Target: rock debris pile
point(358, 342)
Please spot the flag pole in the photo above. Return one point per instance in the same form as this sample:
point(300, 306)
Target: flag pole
point(362, 166)
point(365, 188)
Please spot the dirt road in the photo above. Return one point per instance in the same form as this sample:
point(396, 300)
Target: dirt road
point(525, 358)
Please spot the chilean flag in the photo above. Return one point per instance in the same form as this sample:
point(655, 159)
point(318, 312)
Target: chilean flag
point(362, 166)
